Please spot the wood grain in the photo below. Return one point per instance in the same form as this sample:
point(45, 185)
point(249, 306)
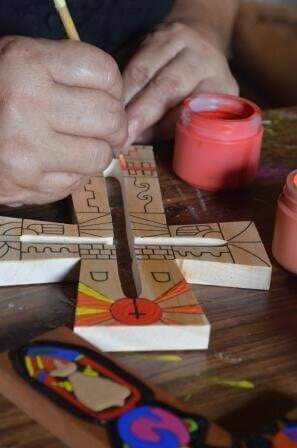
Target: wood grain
point(254, 332)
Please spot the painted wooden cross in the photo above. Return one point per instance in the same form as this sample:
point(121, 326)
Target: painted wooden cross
point(166, 314)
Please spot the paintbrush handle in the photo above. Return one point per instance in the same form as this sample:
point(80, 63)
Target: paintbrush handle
point(66, 18)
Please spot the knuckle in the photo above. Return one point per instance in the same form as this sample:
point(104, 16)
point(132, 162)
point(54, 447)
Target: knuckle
point(172, 29)
point(139, 73)
point(16, 154)
point(119, 139)
point(117, 122)
point(21, 48)
point(167, 85)
point(113, 75)
point(177, 27)
point(114, 117)
point(114, 106)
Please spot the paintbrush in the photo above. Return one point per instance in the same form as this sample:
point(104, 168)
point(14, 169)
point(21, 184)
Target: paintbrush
point(72, 33)
point(67, 20)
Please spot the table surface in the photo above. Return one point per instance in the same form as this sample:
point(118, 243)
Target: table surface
point(254, 333)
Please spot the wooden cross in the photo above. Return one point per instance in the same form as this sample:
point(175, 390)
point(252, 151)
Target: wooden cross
point(166, 314)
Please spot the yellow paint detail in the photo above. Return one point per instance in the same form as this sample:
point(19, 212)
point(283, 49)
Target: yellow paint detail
point(29, 366)
point(90, 372)
point(241, 384)
point(66, 385)
point(84, 289)
point(164, 358)
point(82, 311)
point(39, 363)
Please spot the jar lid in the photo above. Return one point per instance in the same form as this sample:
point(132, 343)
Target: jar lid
point(221, 117)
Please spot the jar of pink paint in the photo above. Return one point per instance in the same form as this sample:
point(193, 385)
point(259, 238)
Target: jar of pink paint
point(284, 247)
point(218, 141)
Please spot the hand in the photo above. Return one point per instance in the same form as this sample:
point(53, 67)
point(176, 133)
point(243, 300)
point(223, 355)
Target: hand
point(61, 114)
point(174, 62)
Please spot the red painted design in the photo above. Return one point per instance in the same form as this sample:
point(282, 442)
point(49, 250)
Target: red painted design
point(136, 312)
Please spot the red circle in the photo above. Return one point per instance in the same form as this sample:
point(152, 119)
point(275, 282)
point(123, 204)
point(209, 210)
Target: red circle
point(136, 311)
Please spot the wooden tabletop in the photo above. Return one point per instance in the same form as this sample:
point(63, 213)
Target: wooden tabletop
point(254, 333)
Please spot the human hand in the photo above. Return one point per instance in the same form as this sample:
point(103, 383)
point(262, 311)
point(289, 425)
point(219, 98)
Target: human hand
point(61, 115)
point(174, 62)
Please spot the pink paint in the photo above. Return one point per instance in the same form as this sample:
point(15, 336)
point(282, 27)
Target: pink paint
point(272, 172)
point(218, 141)
point(284, 246)
point(148, 428)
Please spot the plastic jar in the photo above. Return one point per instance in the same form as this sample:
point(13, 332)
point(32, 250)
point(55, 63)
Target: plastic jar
point(218, 141)
point(284, 247)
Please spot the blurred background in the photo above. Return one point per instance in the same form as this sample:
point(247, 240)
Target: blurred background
point(264, 51)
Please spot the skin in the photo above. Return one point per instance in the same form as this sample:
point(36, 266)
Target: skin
point(184, 56)
point(61, 116)
point(65, 110)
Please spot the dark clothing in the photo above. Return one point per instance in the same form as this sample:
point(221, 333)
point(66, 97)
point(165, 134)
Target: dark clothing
point(107, 24)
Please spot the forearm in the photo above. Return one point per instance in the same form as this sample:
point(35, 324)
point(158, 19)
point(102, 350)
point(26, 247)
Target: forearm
point(216, 17)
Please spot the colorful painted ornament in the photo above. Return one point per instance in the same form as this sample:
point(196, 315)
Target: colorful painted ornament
point(92, 387)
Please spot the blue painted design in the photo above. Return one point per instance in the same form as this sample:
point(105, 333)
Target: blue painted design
point(152, 427)
point(41, 376)
point(290, 430)
point(68, 354)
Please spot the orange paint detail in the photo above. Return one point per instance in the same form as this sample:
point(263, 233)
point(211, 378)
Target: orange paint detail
point(181, 288)
point(48, 363)
point(282, 441)
point(133, 167)
point(187, 309)
point(127, 311)
point(92, 302)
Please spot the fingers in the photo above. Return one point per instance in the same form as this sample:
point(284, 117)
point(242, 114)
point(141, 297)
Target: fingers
point(81, 65)
point(51, 187)
point(60, 183)
point(21, 196)
point(87, 113)
point(85, 156)
point(169, 87)
point(165, 128)
point(218, 85)
point(162, 131)
point(145, 64)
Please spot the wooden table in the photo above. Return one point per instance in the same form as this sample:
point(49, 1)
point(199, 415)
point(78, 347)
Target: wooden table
point(254, 333)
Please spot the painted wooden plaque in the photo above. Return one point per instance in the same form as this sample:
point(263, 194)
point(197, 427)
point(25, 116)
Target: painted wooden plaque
point(165, 315)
